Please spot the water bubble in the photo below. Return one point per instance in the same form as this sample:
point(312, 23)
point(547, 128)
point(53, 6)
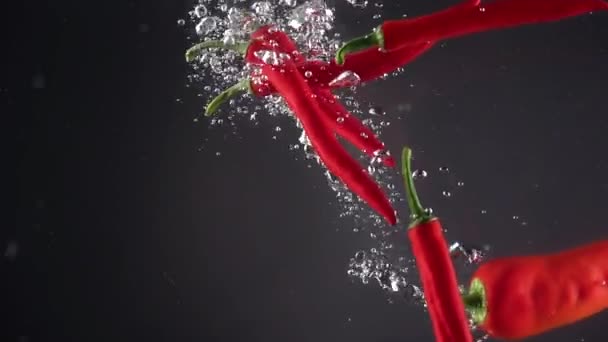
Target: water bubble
point(181, 22)
point(446, 193)
point(229, 37)
point(262, 8)
point(472, 255)
point(206, 25)
point(308, 74)
point(444, 169)
point(200, 11)
point(268, 57)
point(235, 16)
point(345, 79)
point(290, 3)
point(515, 217)
point(419, 174)
point(460, 183)
point(376, 111)
point(358, 3)
point(483, 211)
point(340, 119)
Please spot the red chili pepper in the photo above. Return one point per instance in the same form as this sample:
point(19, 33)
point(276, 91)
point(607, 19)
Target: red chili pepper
point(367, 65)
point(305, 104)
point(435, 266)
point(349, 127)
point(468, 18)
point(278, 40)
point(518, 297)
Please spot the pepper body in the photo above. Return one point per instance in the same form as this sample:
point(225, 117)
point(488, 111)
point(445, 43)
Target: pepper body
point(439, 282)
point(278, 39)
point(461, 20)
point(373, 63)
point(304, 103)
point(526, 296)
point(435, 266)
point(349, 127)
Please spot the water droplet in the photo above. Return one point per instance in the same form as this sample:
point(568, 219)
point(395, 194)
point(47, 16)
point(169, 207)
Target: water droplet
point(262, 8)
point(358, 3)
point(181, 22)
point(200, 11)
point(206, 25)
point(235, 16)
point(290, 3)
point(268, 57)
point(515, 217)
point(446, 193)
point(444, 169)
point(419, 174)
point(308, 74)
point(229, 37)
point(460, 183)
point(483, 211)
point(376, 111)
point(345, 79)
point(340, 119)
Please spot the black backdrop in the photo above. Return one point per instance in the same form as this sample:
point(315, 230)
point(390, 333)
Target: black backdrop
point(124, 231)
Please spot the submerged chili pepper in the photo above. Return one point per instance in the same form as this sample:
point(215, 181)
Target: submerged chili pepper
point(468, 18)
point(349, 127)
point(518, 297)
point(305, 104)
point(435, 267)
point(365, 65)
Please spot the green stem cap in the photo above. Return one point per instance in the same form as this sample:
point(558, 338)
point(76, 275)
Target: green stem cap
point(240, 87)
point(376, 38)
point(418, 213)
point(196, 50)
point(475, 301)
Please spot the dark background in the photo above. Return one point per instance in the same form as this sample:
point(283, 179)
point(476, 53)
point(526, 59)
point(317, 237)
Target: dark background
point(120, 229)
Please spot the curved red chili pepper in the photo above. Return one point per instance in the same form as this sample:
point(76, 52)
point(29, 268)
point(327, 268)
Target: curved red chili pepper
point(435, 267)
point(518, 297)
point(279, 40)
point(465, 19)
point(349, 127)
point(304, 103)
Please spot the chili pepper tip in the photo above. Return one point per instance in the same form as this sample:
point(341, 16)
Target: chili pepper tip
point(418, 213)
point(475, 301)
point(376, 38)
point(242, 86)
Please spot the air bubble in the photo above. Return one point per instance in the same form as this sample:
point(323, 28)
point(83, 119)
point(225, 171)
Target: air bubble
point(419, 174)
point(206, 25)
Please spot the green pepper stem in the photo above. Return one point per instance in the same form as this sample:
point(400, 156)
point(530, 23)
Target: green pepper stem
point(475, 301)
point(376, 38)
point(196, 50)
point(240, 87)
point(418, 213)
